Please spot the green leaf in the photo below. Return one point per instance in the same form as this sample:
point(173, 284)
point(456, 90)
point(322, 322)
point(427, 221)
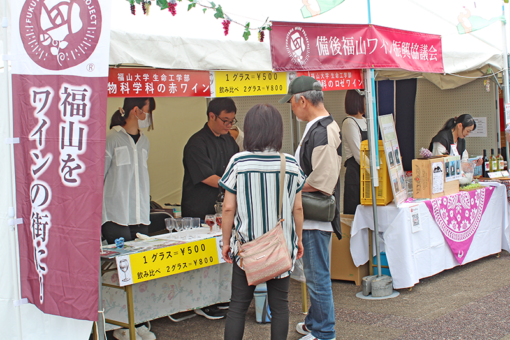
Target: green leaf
point(192, 6)
point(247, 26)
point(269, 28)
point(138, 1)
point(205, 9)
point(132, 2)
point(219, 13)
point(213, 5)
point(163, 4)
point(246, 34)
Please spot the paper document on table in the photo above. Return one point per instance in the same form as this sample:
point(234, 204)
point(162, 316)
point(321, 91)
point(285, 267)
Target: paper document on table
point(415, 218)
point(437, 177)
point(219, 245)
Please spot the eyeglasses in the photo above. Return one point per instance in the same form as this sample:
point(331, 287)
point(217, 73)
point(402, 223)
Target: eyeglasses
point(227, 122)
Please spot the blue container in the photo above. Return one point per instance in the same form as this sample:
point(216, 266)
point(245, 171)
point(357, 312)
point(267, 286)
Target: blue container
point(262, 311)
point(384, 262)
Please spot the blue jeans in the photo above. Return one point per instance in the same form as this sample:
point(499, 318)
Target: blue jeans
point(321, 314)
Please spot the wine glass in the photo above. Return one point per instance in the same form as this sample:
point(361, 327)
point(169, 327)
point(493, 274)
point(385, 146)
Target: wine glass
point(170, 224)
point(210, 220)
point(186, 223)
point(124, 266)
point(219, 219)
point(195, 224)
point(178, 226)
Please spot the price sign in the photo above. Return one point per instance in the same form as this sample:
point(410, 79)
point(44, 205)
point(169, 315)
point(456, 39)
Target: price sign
point(232, 84)
point(153, 264)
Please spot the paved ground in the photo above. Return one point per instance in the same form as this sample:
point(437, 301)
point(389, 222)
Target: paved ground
point(468, 302)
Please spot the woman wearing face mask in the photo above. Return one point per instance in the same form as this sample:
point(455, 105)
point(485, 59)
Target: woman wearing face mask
point(126, 201)
point(450, 139)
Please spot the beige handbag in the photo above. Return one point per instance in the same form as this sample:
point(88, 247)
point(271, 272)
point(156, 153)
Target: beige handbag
point(267, 256)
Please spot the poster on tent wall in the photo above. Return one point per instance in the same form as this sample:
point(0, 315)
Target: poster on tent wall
point(59, 75)
point(334, 80)
point(307, 47)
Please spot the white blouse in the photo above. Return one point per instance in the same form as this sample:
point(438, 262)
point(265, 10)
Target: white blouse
point(126, 193)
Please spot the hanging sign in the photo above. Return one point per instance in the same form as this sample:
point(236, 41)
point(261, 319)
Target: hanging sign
point(153, 264)
point(394, 160)
point(59, 76)
point(335, 80)
point(236, 83)
point(137, 82)
point(306, 46)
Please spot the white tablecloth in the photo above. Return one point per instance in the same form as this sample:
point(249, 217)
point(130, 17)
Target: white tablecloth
point(412, 256)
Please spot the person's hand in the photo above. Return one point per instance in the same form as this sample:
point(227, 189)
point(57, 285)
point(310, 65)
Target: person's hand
point(300, 250)
point(225, 251)
point(479, 161)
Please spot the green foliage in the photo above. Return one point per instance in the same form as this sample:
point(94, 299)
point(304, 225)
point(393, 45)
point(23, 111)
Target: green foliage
point(163, 4)
point(247, 32)
point(219, 13)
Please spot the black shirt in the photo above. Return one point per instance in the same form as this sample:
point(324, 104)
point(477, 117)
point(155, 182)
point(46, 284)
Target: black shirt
point(445, 137)
point(204, 155)
point(135, 137)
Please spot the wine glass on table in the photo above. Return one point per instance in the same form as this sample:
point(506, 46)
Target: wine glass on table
point(186, 222)
point(124, 266)
point(219, 219)
point(210, 220)
point(195, 224)
point(170, 224)
point(179, 226)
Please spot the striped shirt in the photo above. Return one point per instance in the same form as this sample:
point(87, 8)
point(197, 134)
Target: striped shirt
point(254, 177)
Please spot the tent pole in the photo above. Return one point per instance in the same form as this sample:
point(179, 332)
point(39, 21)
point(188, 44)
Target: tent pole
point(373, 145)
point(12, 214)
point(505, 82)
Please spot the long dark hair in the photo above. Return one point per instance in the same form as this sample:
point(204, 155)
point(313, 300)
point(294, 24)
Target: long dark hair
point(263, 128)
point(152, 107)
point(119, 118)
point(465, 119)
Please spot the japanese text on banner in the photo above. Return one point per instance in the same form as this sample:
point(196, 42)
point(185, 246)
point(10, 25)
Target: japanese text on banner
point(132, 82)
point(337, 79)
point(231, 84)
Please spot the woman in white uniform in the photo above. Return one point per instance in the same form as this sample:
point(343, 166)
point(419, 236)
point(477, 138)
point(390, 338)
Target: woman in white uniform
point(126, 200)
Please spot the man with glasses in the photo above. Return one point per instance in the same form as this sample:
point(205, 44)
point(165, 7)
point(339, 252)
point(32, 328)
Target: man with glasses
point(206, 156)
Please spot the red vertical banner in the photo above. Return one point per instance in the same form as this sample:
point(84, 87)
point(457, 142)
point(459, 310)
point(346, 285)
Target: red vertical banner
point(60, 72)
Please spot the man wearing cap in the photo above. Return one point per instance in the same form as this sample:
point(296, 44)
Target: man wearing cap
point(319, 155)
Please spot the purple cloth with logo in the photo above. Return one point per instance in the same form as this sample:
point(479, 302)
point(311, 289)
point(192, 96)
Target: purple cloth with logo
point(458, 217)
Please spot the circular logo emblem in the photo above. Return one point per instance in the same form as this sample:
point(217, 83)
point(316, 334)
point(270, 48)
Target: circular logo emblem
point(59, 34)
point(298, 46)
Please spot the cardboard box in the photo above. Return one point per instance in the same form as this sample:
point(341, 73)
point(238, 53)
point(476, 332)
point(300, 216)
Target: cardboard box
point(342, 267)
point(427, 175)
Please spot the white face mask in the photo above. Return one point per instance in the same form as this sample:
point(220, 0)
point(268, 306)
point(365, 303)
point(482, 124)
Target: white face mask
point(143, 124)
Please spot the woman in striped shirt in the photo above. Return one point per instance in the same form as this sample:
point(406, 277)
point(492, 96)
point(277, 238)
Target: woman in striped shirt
point(251, 205)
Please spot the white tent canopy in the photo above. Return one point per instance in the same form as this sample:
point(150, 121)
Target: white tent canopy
point(195, 40)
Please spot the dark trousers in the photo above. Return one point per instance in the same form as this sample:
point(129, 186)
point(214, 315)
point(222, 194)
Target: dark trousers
point(351, 186)
point(112, 231)
point(242, 294)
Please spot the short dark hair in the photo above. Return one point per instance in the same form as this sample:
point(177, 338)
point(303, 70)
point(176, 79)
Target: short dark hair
point(129, 104)
point(263, 128)
point(354, 103)
point(221, 104)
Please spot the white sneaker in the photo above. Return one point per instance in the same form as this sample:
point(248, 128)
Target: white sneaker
point(311, 337)
point(301, 328)
point(144, 332)
point(123, 334)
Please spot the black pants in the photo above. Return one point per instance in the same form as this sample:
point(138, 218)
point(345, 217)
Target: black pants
point(112, 231)
point(351, 186)
point(242, 294)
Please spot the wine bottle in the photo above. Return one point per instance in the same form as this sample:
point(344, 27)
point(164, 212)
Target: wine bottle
point(501, 161)
point(494, 162)
point(486, 168)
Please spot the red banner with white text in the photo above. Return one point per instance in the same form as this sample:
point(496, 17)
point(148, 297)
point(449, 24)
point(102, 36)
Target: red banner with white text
point(335, 80)
point(306, 47)
point(136, 82)
point(60, 68)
